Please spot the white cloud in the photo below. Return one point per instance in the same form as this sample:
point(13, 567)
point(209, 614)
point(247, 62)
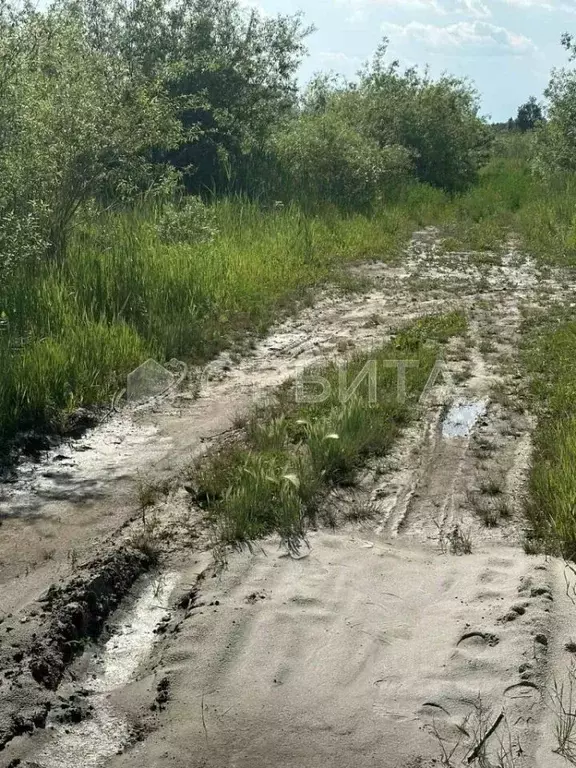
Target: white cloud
point(544, 5)
point(549, 6)
point(337, 58)
point(465, 37)
point(476, 8)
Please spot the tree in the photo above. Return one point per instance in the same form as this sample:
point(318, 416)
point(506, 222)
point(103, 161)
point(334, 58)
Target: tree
point(529, 115)
point(436, 121)
point(232, 71)
point(73, 123)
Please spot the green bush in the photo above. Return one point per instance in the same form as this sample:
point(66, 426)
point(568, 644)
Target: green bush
point(324, 158)
point(556, 139)
point(437, 121)
point(191, 222)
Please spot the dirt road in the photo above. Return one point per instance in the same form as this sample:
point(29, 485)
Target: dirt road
point(420, 634)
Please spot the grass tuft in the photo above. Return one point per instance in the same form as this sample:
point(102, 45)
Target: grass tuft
point(275, 479)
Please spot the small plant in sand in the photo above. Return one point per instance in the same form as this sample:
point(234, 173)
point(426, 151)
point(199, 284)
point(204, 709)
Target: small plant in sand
point(455, 541)
point(148, 492)
point(482, 738)
point(562, 702)
point(492, 486)
point(146, 543)
point(359, 513)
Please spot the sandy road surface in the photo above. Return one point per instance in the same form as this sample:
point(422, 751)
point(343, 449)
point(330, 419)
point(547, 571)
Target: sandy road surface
point(384, 644)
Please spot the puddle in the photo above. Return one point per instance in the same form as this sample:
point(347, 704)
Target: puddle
point(462, 417)
point(92, 742)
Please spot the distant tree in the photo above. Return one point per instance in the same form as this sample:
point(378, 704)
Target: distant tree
point(529, 115)
point(509, 125)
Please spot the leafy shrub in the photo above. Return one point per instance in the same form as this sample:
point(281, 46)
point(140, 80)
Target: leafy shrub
point(556, 140)
point(436, 122)
point(192, 222)
point(322, 157)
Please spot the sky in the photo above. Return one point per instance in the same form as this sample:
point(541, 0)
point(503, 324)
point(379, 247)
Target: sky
point(506, 47)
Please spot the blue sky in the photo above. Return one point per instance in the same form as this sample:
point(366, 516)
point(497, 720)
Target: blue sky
point(507, 47)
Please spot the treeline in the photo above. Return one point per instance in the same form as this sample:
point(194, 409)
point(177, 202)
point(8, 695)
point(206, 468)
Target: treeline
point(106, 102)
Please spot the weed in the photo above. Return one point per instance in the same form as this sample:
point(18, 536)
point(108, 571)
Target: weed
point(562, 701)
point(145, 542)
point(491, 517)
point(492, 486)
point(532, 545)
point(482, 446)
point(359, 513)
point(149, 491)
point(473, 741)
point(73, 558)
point(459, 542)
point(486, 346)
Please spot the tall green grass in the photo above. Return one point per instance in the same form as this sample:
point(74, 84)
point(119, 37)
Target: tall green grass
point(511, 198)
point(72, 330)
point(550, 359)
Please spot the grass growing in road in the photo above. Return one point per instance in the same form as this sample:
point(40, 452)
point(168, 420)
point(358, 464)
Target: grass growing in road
point(295, 450)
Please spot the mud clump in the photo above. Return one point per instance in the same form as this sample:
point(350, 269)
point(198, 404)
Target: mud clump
point(79, 611)
point(162, 695)
point(79, 422)
point(32, 714)
point(72, 614)
point(73, 709)
point(36, 442)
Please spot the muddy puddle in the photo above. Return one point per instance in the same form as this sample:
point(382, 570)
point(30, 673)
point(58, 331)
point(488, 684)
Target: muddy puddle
point(105, 732)
point(462, 417)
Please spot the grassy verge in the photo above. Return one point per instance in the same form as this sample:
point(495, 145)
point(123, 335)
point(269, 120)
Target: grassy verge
point(292, 453)
point(70, 332)
point(550, 359)
point(511, 199)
